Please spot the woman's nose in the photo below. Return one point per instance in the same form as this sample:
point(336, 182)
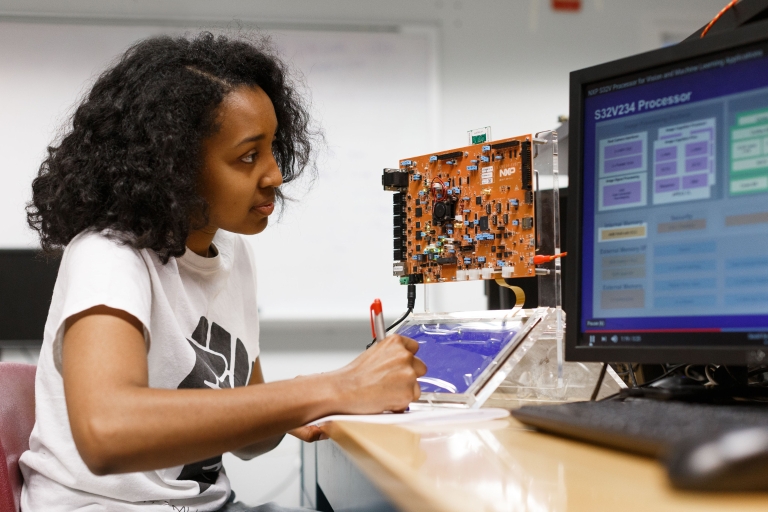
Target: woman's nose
point(273, 177)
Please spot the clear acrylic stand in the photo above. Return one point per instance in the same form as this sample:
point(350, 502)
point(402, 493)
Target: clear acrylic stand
point(509, 358)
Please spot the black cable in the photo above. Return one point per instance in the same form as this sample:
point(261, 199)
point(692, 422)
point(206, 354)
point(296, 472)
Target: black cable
point(411, 296)
point(411, 305)
point(644, 384)
point(395, 324)
point(599, 382)
point(632, 375)
point(400, 320)
point(665, 374)
point(757, 371)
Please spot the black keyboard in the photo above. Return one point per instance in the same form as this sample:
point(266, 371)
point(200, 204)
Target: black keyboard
point(648, 427)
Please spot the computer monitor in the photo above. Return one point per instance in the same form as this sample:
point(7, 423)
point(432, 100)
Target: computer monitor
point(668, 205)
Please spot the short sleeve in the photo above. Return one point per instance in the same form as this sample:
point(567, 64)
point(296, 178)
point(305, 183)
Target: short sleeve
point(95, 271)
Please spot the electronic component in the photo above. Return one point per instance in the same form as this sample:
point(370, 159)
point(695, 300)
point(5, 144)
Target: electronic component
point(525, 156)
point(442, 211)
point(450, 235)
point(452, 154)
point(507, 144)
point(394, 179)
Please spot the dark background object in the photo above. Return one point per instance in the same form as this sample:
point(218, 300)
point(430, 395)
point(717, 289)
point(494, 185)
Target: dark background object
point(26, 287)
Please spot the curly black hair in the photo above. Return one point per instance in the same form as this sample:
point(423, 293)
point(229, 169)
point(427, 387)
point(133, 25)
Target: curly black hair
point(129, 163)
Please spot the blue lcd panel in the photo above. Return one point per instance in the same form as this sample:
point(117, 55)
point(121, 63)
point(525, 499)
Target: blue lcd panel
point(675, 201)
point(456, 354)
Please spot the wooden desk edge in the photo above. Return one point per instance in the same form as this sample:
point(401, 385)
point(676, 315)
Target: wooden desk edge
point(406, 491)
point(411, 492)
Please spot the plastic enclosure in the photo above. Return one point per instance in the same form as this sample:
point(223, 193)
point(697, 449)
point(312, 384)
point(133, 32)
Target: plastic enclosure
point(465, 352)
point(545, 168)
point(507, 358)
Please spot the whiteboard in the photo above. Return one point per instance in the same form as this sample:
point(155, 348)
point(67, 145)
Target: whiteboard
point(374, 94)
point(331, 253)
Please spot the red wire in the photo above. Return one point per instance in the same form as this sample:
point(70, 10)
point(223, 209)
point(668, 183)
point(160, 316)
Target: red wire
point(717, 17)
point(540, 259)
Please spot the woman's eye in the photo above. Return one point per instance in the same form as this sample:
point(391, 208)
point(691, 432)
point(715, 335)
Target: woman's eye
point(249, 159)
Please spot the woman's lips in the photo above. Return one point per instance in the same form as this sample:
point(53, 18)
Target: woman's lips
point(264, 209)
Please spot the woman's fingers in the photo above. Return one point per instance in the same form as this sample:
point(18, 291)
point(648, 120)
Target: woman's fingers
point(385, 377)
point(419, 367)
point(409, 344)
point(308, 434)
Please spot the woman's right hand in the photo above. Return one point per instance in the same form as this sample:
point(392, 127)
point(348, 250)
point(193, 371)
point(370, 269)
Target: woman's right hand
point(383, 378)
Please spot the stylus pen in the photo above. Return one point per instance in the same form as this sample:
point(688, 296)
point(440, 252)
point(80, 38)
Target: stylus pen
point(377, 321)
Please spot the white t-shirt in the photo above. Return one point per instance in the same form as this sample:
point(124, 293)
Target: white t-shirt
point(202, 331)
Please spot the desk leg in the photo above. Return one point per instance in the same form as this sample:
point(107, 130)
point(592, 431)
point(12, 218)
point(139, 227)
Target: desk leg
point(308, 475)
point(341, 486)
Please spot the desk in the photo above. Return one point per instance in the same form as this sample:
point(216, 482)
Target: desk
point(492, 466)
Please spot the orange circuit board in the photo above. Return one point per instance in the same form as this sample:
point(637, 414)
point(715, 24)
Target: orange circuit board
point(464, 214)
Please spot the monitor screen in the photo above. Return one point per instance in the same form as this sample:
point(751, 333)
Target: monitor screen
point(674, 205)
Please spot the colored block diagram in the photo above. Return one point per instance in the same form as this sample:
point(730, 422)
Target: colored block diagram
point(749, 153)
point(685, 277)
point(684, 162)
point(623, 171)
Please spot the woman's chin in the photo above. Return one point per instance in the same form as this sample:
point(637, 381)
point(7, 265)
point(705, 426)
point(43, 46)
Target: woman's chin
point(258, 227)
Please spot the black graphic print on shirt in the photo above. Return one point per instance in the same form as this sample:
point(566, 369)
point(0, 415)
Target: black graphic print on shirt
point(219, 363)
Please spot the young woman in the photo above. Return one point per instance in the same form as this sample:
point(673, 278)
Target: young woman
point(149, 369)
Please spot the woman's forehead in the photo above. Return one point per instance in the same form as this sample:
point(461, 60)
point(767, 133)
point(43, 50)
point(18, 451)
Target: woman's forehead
point(246, 111)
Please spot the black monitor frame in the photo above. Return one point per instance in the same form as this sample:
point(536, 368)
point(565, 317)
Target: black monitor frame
point(754, 33)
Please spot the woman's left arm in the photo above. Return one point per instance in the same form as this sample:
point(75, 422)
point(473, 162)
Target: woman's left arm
point(308, 434)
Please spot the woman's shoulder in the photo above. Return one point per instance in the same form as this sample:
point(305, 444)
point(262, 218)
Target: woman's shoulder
point(100, 248)
point(100, 240)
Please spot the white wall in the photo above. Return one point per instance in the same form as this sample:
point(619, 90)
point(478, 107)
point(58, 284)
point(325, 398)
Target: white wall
point(502, 63)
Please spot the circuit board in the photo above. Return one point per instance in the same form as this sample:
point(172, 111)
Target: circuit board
point(464, 214)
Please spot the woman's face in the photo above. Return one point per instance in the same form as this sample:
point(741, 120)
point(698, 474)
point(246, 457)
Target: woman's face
point(240, 173)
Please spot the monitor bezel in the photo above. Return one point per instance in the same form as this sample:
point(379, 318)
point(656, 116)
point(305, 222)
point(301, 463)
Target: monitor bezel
point(579, 80)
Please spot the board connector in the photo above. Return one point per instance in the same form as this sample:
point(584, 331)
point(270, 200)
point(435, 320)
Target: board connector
point(414, 279)
point(504, 145)
point(399, 226)
point(525, 156)
point(394, 179)
point(452, 154)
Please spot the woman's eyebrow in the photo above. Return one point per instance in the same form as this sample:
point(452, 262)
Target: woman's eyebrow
point(252, 138)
